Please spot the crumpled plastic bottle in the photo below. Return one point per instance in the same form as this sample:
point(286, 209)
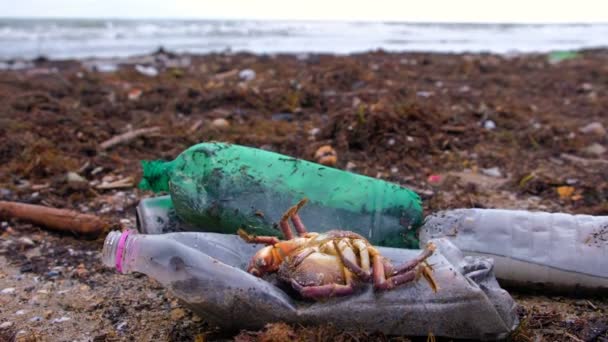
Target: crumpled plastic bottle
point(207, 272)
point(221, 187)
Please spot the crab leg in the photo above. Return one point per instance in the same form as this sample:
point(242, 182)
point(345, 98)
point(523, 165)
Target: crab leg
point(407, 272)
point(295, 218)
point(349, 260)
point(303, 254)
point(267, 240)
point(410, 265)
point(323, 291)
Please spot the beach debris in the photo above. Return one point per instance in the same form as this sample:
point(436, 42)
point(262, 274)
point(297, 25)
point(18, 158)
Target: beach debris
point(282, 117)
point(594, 128)
point(492, 172)
point(425, 93)
point(314, 131)
point(565, 191)
point(489, 125)
point(326, 155)
point(434, 179)
point(195, 126)
point(317, 262)
point(134, 94)
point(74, 178)
point(560, 56)
point(594, 149)
point(149, 71)
point(6, 325)
point(126, 182)
point(584, 161)
point(61, 319)
point(226, 74)
point(56, 219)
point(480, 180)
point(8, 290)
point(128, 136)
point(247, 75)
point(220, 123)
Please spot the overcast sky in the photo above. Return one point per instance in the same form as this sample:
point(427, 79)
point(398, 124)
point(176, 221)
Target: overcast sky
point(388, 10)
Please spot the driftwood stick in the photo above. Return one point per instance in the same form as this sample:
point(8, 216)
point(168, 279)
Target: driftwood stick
point(128, 136)
point(584, 161)
point(56, 219)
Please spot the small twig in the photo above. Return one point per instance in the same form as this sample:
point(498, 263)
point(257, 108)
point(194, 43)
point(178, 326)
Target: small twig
point(584, 161)
point(573, 337)
point(55, 219)
point(195, 126)
point(128, 136)
point(119, 184)
point(226, 74)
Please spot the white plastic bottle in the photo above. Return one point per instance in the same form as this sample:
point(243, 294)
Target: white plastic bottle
point(555, 250)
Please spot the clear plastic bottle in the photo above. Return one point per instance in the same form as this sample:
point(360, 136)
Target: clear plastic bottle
point(555, 250)
point(207, 272)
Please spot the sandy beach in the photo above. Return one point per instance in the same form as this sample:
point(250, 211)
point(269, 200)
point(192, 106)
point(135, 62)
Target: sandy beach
point(499, 131)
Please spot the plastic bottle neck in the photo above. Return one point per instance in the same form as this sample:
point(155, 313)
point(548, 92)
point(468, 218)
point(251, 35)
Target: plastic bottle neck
point(155, 175)
point(116, 248)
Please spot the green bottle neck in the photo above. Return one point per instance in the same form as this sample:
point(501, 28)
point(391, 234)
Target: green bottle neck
point(156, 175)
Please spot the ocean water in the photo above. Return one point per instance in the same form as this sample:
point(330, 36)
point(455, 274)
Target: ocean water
point(72, 38)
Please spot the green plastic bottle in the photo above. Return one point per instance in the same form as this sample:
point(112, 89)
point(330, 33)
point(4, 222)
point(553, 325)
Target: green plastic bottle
point(220, 187)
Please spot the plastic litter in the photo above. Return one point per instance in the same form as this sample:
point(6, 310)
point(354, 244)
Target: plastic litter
point(149, 71)
point(554, 250)
point(221, 187)
point(207, 272)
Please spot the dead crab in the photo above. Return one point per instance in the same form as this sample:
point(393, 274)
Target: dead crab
point(322, 265)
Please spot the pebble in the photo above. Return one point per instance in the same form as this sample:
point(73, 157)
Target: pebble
point(220, 123)
point(492, 172)
point(424, 93)
point(350, 166)
point(326, 155)
point(391, 142)
point(314, 131)
point(73, 177)
point(489, 125)
point(177, 314)
point(595, 149)
point(36, 319)
point(8, 290)
point(52, 274)
point(147, 71)
point(48, 313)
point(593, 128)
point(20, 312)
point(394, 170)
point(247, 75)
point(26, 241)
point(122, 326)
point(282, 117)
point(464, 89)
point(6, 325)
